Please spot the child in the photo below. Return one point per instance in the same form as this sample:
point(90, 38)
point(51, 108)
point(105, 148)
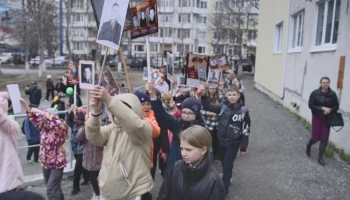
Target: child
point(193, 177)
point(53, 133)
point(92, 160)
point(233, 129)
point(190, 109)
point(33, 138)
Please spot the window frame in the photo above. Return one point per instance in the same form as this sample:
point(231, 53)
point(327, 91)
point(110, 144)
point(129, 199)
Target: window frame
point(136, 47)
point(296, 44)
point(325, 46)
point(202, 48)
point(278, 36)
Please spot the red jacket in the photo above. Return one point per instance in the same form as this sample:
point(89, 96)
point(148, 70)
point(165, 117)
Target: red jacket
point(155, 131)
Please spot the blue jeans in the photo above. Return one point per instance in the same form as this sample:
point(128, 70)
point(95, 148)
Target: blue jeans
point(228, 155)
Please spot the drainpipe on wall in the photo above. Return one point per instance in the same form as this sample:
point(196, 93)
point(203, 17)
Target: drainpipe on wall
point(286, 49)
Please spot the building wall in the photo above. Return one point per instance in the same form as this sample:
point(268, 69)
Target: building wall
point(269, 70)
point(305, 67)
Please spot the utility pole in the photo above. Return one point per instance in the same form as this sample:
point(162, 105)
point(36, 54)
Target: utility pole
point(61, 27)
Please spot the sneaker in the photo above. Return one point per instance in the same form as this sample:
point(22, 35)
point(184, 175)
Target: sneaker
point(30, 161)
point(95, 197)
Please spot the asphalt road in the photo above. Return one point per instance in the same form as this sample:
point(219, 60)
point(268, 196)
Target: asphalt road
point(276, 167)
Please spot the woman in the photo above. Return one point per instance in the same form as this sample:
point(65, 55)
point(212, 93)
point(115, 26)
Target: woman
point(211, 119)
point(322, 102)
point(193, 177)
point(53, 133)
point(233, 129)
point(125, 171)
point(190, 115)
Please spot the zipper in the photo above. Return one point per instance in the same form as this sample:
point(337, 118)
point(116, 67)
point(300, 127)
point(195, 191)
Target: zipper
point(125, 173)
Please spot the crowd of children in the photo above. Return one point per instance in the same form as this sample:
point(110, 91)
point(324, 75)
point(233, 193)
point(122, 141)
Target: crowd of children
point(181, 134)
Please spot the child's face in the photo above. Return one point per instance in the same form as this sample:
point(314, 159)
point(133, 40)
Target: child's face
point(191, 154)
point(233, 97)
point(212, 90)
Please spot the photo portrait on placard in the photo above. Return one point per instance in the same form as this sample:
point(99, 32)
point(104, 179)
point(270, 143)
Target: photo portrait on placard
point(202, 74)
point(86, 74)
point(156, 77)
point(214, 77)
point(109, 82)
point(112, 23)
point(195, 62)
point(145, 74)
point(72, 73)
point(145, 20)
point(219, 62)
point(170, 67)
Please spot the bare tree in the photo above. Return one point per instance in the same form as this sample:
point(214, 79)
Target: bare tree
point(68, 5)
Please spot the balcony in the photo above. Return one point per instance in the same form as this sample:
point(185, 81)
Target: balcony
point(202, 11)
point(166, 40)
point(165, 9)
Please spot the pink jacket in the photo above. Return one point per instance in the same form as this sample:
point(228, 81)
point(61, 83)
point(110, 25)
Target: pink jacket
point(11, 172)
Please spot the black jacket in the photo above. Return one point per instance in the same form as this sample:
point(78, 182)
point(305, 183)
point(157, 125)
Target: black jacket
point(60, 87)
point(188, 183)
point(318, 100)
point(234, 123)
point(49, 84)
point(34, 95)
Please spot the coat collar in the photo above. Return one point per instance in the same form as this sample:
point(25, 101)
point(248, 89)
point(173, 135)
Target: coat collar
point(196, 174)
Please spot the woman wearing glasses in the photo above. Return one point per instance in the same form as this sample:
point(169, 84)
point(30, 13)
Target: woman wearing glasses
point(190, 115)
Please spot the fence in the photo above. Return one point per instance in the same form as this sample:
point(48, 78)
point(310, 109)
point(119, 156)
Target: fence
point(71, 163)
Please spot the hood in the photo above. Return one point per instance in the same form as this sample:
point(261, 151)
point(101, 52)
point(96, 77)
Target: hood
point(4, 101)
point(132, 101)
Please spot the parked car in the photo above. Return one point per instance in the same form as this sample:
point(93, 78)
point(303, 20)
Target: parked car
point(247, 65)
point(134, 62)
point(6, 58)
point(113, 62)
point(60, 61)
point(157, 62)
point(177, 62)
point(36, 61)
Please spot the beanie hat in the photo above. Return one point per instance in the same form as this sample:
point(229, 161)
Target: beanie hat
point(48, 76)
point(142, 97)
point(192, 104)
point(4, 101)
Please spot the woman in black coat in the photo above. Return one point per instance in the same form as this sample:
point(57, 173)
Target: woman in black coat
point(193, 177)
point(322, 102)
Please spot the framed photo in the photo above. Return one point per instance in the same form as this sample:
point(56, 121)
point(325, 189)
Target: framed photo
point(109, 82)
point(112, 23)
point(156, 77)
point(219, 62)
point(72, 73)
point(86, 74)
point(197, 66)
point(144, 18)
point(202, 73)
point(214, 77)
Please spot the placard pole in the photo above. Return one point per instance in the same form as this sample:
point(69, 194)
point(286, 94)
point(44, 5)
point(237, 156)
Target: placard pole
point(103, 65)
point(125, 68)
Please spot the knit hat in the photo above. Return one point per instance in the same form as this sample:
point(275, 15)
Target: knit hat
point(142, 97)
point(4, 101)
point(34, 83)
point(192, 104)
point(48, 76)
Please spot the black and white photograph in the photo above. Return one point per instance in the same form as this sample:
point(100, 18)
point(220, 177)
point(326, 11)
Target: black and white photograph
point(222, 60)
point(170, 67)
point(109, 82)
point(143, 19)
point(87, 74)
point(201, 74)
point(135, 22)
point(156, 77)
point(219, 62)
point(152, 15)
point(213, 62)
point(112, 23)
point(214, 77)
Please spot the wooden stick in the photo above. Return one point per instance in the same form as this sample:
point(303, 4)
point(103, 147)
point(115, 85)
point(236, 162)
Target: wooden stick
point(88, 101)
point(125, 68)
point(103, 65)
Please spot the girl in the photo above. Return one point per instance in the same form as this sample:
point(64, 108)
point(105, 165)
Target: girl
point(233, 129)
point(239, 86)
point(53, 132)
point(190, 115)
point(193, 177)
point(322, 102)
point(211, 119)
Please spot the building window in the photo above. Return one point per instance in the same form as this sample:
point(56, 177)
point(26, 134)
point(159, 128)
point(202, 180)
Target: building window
point(184, 3)
point(166, 3)
point(327, 22)
point(139, 48)
point(78, 4)
point(201, 49)
point(236, 49)
point(251, 34)
point(153, 47)
point(278, 38)
point(183, 48)
point(298, 26)
point(204, 4)
point(202, 35)
point(183, 33)
point(78, 46)
point(77, 32)
point(201, 19)
point(77, 17)
point(185, 18)
point(167, 32)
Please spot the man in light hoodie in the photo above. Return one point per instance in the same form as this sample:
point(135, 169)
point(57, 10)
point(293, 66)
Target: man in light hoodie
point(125, 171)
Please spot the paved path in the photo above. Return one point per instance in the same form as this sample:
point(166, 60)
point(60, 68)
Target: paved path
point(276, 167)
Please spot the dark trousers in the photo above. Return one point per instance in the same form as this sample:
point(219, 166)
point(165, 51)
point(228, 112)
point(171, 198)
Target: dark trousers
point(156, 145)
point(48, 91)
point(34, 150)
point(215, 142)
point(52, 178)
point(78, 170)
point(20, 195)
point(146, 196)
point(228, 155)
